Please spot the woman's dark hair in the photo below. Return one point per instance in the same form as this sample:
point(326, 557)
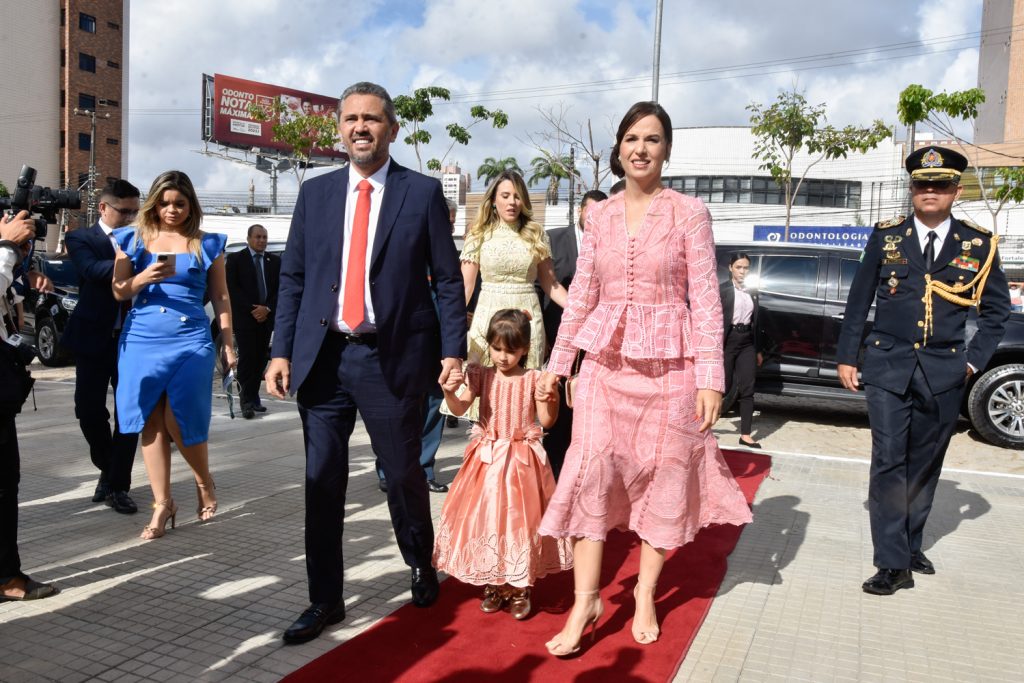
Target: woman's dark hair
point(736, 256)
point(510, 327)
point(635, 113)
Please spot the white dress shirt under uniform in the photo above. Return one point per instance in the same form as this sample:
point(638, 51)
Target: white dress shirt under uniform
point(354, 178)
point(941, 232)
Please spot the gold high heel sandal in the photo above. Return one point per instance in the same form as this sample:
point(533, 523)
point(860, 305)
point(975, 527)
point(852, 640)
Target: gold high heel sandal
point(170, 513)
point(556, 648)
point(646, 635)
point(205, 512)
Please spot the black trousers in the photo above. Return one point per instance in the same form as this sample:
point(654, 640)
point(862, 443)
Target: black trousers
point(112, 452)
point(346, 378)
point(10, 476)
point(741, 369)
point(253, 344)
point(909, 436)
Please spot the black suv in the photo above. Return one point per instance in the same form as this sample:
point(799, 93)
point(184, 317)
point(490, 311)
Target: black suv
point(46, 314)
point(803, 291)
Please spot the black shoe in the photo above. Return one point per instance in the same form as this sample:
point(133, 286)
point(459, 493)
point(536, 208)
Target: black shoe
point(259, 408)
point(424, 586)
point(750, 444)
point(451, 422)
point(311, 623)
point(888, 581)
point(33, 591)
point(122, 502)
point(382, 485)
point(921, 564)
point(248, 413)
point(435, 487)
point(102, 491)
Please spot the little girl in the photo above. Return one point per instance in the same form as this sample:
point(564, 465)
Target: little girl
point(487, 534)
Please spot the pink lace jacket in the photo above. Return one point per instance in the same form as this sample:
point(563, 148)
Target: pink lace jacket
point(663, 280)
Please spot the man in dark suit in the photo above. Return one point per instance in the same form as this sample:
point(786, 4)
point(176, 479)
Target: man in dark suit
point(565, 249)
point(253, 275)
point(923, 272)
point(357, 329)
point(92, 333)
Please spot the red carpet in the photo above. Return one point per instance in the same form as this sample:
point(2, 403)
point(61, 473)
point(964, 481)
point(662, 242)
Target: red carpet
point(454, 641)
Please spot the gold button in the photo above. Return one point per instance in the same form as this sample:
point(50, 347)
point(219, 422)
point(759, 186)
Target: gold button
point(892, 273)
point(961, 277)
point(877, 342)
point(920, 323)
point(916, 345)
point(953, 350)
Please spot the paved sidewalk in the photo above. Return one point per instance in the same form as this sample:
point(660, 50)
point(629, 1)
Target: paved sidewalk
point(208, 602)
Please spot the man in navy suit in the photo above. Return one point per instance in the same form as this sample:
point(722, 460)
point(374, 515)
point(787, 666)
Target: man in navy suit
point(253, 275)
point(92, 334)
point(357, 329)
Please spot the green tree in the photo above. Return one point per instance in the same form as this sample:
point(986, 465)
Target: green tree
point(918, 104)
point(551, 168)
point(791, 125)
point(414, 110)
point(301, 134)
point(4, 192)
point(492, 168)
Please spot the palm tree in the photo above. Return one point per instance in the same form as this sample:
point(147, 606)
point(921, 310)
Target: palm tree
point(492, 168)
point(552, 168)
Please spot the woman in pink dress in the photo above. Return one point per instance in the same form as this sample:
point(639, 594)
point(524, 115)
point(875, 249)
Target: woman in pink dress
point(487, 534)
point(645, 307)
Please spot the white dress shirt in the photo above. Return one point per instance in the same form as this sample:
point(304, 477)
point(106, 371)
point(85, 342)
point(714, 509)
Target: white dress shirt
point(941, 232)
point(109, 232)
point(354, 178)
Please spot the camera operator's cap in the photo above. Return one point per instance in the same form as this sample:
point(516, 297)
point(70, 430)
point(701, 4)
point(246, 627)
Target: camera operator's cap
point(935, 163)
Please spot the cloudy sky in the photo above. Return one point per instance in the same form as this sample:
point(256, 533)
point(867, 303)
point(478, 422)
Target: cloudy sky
point(589, 58)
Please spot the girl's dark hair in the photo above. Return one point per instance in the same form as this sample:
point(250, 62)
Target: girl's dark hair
point(737, 255)
point(510, 327)
point(635, 113)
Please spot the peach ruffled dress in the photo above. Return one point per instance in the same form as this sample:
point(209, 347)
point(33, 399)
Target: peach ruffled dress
point(488, 531)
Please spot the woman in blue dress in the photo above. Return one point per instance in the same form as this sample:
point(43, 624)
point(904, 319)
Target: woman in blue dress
point(166, 356)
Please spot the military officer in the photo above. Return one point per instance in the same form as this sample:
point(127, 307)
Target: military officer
point(923, 272)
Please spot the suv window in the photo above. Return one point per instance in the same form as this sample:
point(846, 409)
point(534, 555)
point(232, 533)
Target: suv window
point(847, 269)
point(794, 275)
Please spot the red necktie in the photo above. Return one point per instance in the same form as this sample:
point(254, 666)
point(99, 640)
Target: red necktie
point(355, 275)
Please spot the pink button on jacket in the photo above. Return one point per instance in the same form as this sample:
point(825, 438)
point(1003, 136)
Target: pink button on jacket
point(663, 280)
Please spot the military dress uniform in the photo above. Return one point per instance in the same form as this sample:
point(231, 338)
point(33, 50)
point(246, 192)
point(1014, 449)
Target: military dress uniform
point(915, 364)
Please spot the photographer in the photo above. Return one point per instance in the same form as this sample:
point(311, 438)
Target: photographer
point(15, 233)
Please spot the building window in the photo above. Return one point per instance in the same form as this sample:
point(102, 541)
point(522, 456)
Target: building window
point(84, 143)
point(63, 16)
point(114, 25)
point(83, 178)
point(113, 65)
point(86, 101)
point(63, 98)
point(63, 58)
point(839, 194)
point(109, 103)
point(86, 62)
point(62, 140)
point(111, 141)
point(87, 22)
point(63, 179)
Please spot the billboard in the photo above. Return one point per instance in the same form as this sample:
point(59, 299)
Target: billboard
point(839, 236)
point(227, 121)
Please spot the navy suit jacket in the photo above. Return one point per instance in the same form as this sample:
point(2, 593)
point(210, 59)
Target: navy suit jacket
point(891, 273)
point(92, 322)
point(413, 239)
point(244, 289)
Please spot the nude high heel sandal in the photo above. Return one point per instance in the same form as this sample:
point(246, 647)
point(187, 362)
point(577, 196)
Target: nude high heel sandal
point(558, 648)
point(647, 634)
point(170, 512)
point(205, 512)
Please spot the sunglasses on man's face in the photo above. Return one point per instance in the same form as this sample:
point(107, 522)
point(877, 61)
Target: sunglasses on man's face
point(934, 185)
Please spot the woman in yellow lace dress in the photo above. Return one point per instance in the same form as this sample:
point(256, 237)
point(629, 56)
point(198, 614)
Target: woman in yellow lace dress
point(510, 252)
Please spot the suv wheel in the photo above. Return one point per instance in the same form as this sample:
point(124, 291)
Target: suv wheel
point(48, 344)
point(996, 406)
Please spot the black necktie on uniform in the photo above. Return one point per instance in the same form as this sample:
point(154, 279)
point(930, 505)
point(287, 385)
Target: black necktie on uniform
point(260, 282)
point(929, 250)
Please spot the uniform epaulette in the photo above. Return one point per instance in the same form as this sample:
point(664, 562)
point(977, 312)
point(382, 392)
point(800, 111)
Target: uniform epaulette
point(891, 223)
point(975, 226)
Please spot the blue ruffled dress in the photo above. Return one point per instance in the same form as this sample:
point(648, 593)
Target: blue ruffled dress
point(165, 345)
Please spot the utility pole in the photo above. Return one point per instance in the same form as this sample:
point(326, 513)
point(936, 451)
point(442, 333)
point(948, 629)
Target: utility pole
point(91, 182)
point(572, 182)
point(656, 76)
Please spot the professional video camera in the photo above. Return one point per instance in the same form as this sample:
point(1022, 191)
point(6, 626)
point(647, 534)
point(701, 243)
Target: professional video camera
point(42, 200)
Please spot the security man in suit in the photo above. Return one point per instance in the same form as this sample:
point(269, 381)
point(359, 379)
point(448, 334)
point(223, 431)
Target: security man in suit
point(924, 273)
point(92, 333)
point(565, 249)
point(253, 276)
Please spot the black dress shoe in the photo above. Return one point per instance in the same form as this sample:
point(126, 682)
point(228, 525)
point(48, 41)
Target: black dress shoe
point(259, 408)
point(888, 581)
point(424, 586)
point(750, 444)
point(311, 623)
point(435, 487)
point(921, 564)
point(248, 413)
point(102, 491)
point(382, 484)
point(122, 502)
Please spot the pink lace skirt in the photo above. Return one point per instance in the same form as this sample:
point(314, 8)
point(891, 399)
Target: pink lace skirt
point(637, 461)
point(487, 533)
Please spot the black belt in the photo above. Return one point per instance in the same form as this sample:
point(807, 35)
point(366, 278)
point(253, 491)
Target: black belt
point(741, 327)
point(364, 338)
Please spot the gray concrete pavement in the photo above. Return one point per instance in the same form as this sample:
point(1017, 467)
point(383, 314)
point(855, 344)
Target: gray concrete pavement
point(209, 601)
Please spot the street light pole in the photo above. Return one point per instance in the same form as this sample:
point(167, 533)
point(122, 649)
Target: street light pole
point(572, 181)
point(657, 51)
point(91, 183)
